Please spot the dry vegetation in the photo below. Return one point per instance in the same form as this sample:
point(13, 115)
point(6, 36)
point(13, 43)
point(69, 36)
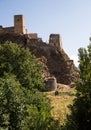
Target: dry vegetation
point(61, 102)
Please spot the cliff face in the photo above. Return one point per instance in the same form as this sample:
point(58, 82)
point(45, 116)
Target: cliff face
point(57, 62)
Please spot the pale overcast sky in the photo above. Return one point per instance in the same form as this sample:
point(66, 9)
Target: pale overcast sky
point(70, 18)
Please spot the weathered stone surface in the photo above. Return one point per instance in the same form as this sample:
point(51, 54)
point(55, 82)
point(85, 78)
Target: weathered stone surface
point(57, 62)
point(50, 84)
point(19, 26)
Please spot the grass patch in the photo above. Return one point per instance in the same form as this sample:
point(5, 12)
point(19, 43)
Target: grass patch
point(69, 93)
point(60, 104)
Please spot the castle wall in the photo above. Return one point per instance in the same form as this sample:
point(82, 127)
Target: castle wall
point(1, 29)
point(55, 40)
point(51, 84)
point(19, 24)
point(32, 35)
point(6, 30)
point(19, 28)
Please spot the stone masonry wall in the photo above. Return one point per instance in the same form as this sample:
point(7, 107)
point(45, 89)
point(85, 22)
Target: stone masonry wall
point(55, 40)
point(19, 26)
point(6, 30)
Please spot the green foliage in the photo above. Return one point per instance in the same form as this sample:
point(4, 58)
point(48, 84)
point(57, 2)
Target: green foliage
point(81, 109)
point(11, 102)
point(22, 109)
point(21, 63)
point(39, 113)
point(22, 106)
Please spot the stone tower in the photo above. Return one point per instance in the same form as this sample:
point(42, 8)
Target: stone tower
point(19, 24)
point(55, 40)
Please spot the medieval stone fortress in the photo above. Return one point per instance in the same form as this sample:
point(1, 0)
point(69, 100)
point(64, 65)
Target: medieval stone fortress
point(20, 28)
point(58, 65)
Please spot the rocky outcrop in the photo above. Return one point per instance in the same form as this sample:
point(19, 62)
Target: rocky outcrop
point(57, 62)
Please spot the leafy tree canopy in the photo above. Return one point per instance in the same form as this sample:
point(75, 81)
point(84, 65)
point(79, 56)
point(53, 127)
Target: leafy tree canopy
point(22, 109)
point(81, 109)
point(22, 106)
point(21, 63)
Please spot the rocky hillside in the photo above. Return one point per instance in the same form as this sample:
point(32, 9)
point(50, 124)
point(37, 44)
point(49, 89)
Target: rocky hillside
point(57, 62)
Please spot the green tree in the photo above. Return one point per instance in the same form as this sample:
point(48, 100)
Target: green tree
point(11, 103)
point(21, 63)
point(80, 118)
point(22, 106)
point(22, 109)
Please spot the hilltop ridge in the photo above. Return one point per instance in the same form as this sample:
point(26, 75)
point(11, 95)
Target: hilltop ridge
point(57, 62)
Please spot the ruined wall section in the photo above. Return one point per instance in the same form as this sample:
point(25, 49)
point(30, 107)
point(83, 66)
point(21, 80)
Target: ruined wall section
point(1, 29)
point(6, 30)
point(32, 35)
point(19, 26)
point(55, 40)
